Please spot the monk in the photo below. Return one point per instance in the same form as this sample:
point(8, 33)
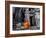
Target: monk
point(26, 24)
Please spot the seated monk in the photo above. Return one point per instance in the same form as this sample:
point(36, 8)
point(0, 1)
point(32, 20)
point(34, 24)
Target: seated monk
point(26, 24)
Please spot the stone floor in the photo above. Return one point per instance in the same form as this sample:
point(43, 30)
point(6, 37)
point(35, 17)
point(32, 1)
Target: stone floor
point(31, 28)
point(34, 28)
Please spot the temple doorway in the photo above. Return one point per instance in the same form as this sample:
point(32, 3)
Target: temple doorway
point(31, 24)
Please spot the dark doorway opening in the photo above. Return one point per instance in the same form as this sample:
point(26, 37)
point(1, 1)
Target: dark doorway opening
point(31, 20)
